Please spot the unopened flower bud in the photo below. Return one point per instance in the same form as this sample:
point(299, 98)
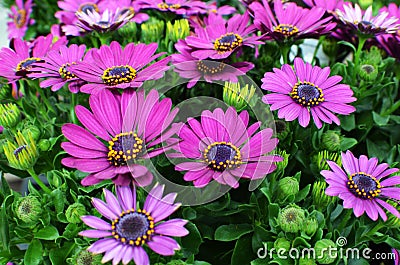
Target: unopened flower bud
point(320, 199)
point(280, 166)
point(320, 160)
point(128, 31)
point(310, 226)
point(74, 213)
point(176, 262)
point(368, 72)
point(87, 258)
point(331, 141)
point(35, 132)
point(23, 154)
point(179, 30)
point(282, 129)
point(152, 30)
point(287, 186)
point(364, 4)
point(282, 243)
point(291, 218)
point(28, 209)
point(322, 253)
point(9, 115)
point(44, 145)
point(238, 95)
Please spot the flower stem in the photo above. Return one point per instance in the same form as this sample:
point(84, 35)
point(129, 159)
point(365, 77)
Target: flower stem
point(285, 49)
point(74, 102)
point(31, 171)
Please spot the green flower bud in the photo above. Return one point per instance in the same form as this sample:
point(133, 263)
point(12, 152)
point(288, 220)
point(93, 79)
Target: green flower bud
point(323, 156)
point(291, 218)
point(364, 4)
point(306, 261)
point(179, 30)
point(35, 132)
point(330, 47)
point(310, 226)
point(320, 199)
point(322, 253)
point(176, 262)
point(128, 31)
point(373, 56)
point(368, 72)
point(238, 95)
point(280, 166)
point(44, 145)
point(9, 115)
point(152, 30)
point(23, 154)
point(87, 258)
point(287, 186)
point(74, 213)
point(28, 209)
point(331, 141)
point(282, 243)
point(5, 90)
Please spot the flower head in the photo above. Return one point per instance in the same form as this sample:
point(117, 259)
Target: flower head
point(179, 7)
point(289, 21)
point(307, 89)
point(20, 19)
point(363, 185)
point(194, 69)
point(17, 63)
point(291, 218)
point(56, 68)
point(329, 6)
point(222, 148)
point(114, 67)
point(220, 38)
point(319, 198)
point(23, 154)
point(129, 127)
point(69, 7)
point(130, 227)
point(9, 115)
point(365, 23)
point(28, 209)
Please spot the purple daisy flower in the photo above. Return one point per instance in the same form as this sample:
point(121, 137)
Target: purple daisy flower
point(17, 63)
point(365, 23)
point(391, 44)
point(70, 7)
point(329, 6)
point(56, 68)
point(290, 21)
point(114, 67)
point(20, 19)
point(124, 6)
point(129, 126)
point(220, 38)
point(193, 69)
point(307, 89)
point(130, 227)
point(179, 7)
point(222, 147)
point(392, 9)
point(363, 185)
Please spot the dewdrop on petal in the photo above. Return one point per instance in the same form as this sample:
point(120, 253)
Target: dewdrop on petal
point(179, 30)
point(9, 115)
point(238, 96)
point(23, 154)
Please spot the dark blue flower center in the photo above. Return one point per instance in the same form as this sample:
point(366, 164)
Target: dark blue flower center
point(222, 155)
point(227, 42)
point(86, 7)
point(133, 227)
point(26, 65)
point(65, 73)
point(123, 148)
point(364, 186)
point(210, 67)
point(366, 23)
point(127, 11)
point(20, 18)
point(118, 75)
point(286, 29)
point(19, 150)
point(307, 94)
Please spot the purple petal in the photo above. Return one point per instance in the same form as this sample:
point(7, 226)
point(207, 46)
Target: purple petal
point(112, 202)
point(140, 256)
point(95, 233)
point(95, 222)
point(103, 209)
point(163, 245)
point(174, 227)
point(103, 245)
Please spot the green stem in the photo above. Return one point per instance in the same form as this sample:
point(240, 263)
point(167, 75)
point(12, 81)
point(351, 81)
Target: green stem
point(31, 171)
point(344, 221)
point(45, 100)
point(375, 229)
point(74, 102)
point(316, 50)
point(285, 49)
point(361, 41)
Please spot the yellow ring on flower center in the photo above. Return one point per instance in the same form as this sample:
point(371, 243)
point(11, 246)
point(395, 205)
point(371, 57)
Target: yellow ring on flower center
point(124, 147)
point(307, 94)
point(20, 18)
point(286, 29)
point(228, 42)
point(65, 73)
point(222, 155)
point(118, 74)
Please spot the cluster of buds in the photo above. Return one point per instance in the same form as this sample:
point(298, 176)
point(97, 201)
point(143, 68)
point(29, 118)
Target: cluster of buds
point(237, 95)
point(179, 30)
point(152, 30)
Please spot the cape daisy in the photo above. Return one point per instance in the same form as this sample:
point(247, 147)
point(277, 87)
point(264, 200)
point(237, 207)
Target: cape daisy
point(307, 89)
point(364, 186)
point(20, 19)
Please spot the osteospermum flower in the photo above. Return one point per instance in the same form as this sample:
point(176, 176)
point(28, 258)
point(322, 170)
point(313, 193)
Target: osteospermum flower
point(364, 185)
point(17, 63)
point(130, 227)
point(328, 5)
point(289, 21)
point(365, 23)
point(307, 89)
point(129, 126)
point(69, 7)
point(114, 67)
point(20, 19)
point(220, 38)
point(391, 44)
point(222, 147)
point(193, 69)
point(56, 68)
point(179, 7)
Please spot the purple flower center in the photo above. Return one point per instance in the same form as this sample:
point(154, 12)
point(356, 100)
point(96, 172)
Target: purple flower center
point(19, 150)
point(222, 155)
point(286, 29)
point(20, 18)
point(166, 6)
point(26, 65)
point(210, 67)
point(65, 73)
point(227, 42)
point(307, 94)
point(103, 24)
point(123, 148)
point(118, 74)
point(364, 186)
point(86, 7)
point(133, 227)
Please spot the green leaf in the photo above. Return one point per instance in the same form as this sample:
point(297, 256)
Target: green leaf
point(346, 43)
point(192, 241)
point(302, 194)
point(5, 188)
point(348, 122)
point(189, 213)
point(347, 143)
point(47, 233)
point(34, 253)
point(232, 232)
point(59, 255)
point(4, 230)
point(58, 200)
point(393, 242)
point(242, 253)
point(380, 120)
point(259, 262)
